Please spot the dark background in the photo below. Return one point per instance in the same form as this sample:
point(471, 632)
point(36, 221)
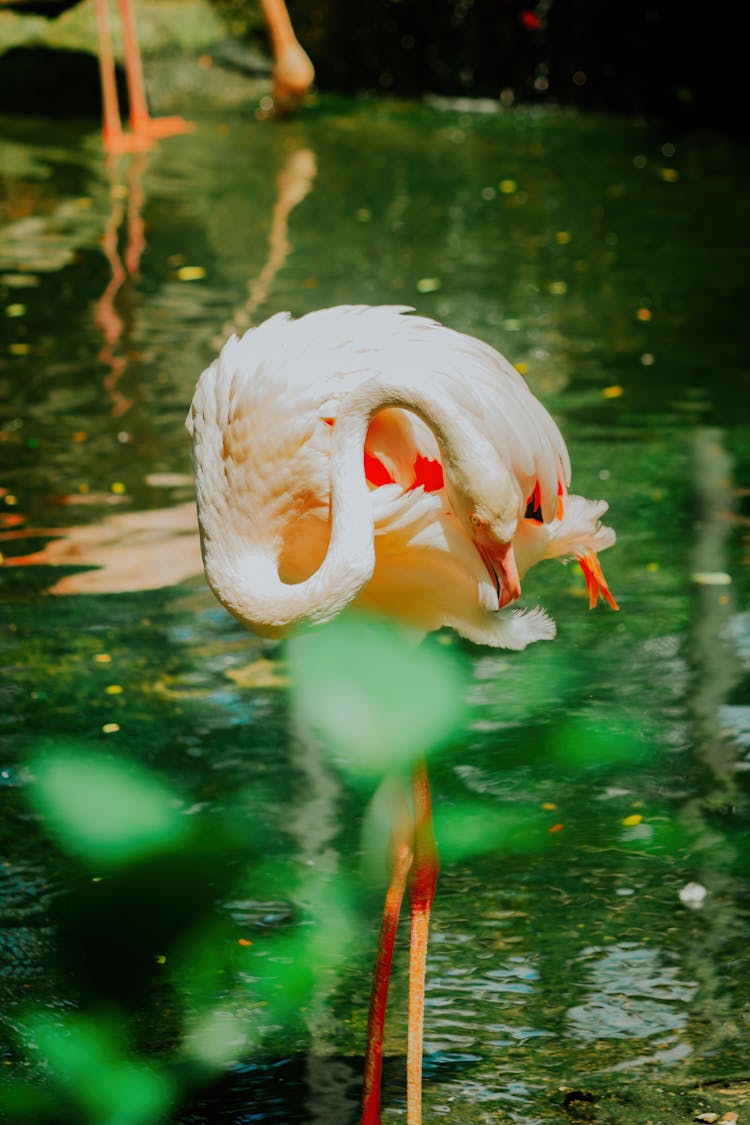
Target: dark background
point(683, 64)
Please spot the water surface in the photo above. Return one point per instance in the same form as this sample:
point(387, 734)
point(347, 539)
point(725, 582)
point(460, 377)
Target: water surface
point(571, 973)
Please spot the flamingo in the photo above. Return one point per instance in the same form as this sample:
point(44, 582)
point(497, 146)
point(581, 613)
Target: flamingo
point(371, 456)
point(293, 73)
point(144, 129)
point(293, 76)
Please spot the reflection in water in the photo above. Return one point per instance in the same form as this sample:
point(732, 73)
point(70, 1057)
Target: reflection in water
point(632, 995)
point(293, 183)
point(333, 1089)
point(713, 659)
point(715, 670)
point(114, 312)
point(146, 550)
point(127, 551)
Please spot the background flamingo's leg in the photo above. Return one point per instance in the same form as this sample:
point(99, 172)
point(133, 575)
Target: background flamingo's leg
point(402, 860)
point(139, 115)
point(422, 884)
point(111, 121)
point(293, 73)
point(144, 126)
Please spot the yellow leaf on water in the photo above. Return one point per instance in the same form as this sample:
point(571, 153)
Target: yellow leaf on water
point(190, 273)
point(261, 673)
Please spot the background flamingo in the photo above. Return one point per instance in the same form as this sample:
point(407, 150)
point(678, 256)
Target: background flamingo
point(292, 73)
point(292, 77)
point(360, 455)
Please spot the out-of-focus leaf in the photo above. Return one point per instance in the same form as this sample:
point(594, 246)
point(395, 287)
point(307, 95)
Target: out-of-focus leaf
point(105, 811)
point(470, 828)
point(217, 1037)
point(376, 700)
point(278, 973)
point(600, 742)
point(89, 1060)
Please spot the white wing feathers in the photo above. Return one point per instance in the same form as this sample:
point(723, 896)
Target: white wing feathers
point(262, 420)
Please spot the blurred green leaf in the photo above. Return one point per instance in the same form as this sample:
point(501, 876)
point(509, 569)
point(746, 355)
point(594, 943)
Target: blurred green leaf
point(376, 699)
point(90, 1061)
point(275, 973)
point(600, 742)
point(472, 828)
point(105, 811)
point(217, 1037)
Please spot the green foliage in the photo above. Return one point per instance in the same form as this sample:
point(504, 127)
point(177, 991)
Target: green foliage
point(266, 983)
point(103, 810)
point(600, 742)
point(132, 940)
point(471, 828)
point(376, 700)
point(92, 1065)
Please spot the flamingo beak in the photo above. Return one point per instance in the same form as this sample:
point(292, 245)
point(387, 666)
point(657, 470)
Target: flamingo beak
point(500, 561)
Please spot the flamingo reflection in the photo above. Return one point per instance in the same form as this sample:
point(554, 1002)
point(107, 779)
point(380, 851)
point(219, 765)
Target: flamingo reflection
point(141, 550)
point(114, 310)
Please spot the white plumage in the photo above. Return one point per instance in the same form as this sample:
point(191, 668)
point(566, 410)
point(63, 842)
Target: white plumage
point(367, 454)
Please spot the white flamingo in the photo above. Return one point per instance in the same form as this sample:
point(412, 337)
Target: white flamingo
point(363, 455)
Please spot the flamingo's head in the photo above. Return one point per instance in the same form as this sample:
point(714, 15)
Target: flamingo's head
point(490, 508)
point(496, 551)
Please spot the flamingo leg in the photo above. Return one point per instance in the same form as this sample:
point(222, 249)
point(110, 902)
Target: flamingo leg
point(111, 121)
point(422, 884)
point(376, 1020)
point(144, 128)
point(139, 115)
point(293, 73)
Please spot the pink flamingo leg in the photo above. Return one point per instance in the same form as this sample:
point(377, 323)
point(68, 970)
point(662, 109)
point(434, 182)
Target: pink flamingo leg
point(293, 73)
point(422, 884)
point(139, 115)
point(376, 1021)
point(144, 126)
point(111, 124)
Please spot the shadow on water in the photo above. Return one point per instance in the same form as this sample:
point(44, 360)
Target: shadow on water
point(589, 952)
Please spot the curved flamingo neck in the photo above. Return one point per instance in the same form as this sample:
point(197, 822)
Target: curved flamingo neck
point(464, 451)
point(245, 575)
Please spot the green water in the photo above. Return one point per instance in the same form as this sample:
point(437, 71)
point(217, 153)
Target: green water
point(567, 978)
